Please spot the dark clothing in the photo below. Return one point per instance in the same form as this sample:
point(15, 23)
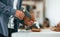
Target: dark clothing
point(40, 25)
point(16, 26)
point(6, 10)
point(2, 35)
point(11, 31)
point(34, 26)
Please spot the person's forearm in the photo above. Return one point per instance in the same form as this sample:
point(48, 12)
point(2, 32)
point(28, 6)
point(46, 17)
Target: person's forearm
point(35, 30)
point(6, 9)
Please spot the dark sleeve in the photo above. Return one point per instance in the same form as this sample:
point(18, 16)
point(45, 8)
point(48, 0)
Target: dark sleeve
point(40, 26)
point(6, 9)
point(22, 22)
point(34, 26)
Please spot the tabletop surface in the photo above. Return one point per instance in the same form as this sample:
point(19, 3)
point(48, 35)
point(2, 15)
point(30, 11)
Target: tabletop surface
point(43, 33)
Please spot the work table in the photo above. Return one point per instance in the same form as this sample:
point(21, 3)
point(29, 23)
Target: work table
point(43, 33)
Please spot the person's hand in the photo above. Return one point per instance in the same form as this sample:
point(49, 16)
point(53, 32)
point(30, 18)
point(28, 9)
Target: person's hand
point(36, 30)
point(19, 14)
point(30, 23)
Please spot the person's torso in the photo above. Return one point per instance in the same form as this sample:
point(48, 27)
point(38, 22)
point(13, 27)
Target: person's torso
point(8, 2)
point(5, 18)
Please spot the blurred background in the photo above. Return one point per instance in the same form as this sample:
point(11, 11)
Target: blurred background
point(44, 9)
point(46, 13)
